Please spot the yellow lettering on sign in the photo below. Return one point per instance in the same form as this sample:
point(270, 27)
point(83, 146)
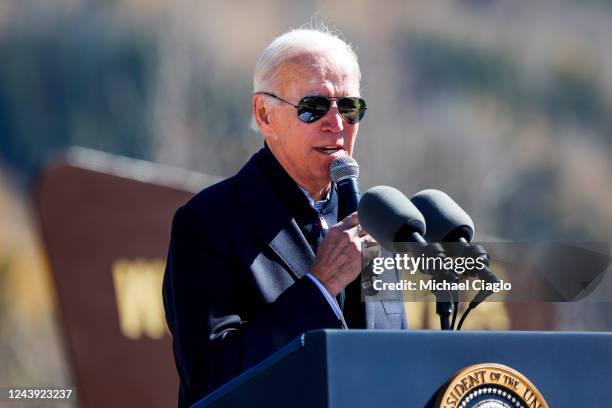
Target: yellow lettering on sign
point(138, 286)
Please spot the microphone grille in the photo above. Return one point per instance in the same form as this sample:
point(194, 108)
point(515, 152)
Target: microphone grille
point(343, 167)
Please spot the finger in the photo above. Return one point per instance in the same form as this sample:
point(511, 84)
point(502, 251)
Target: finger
point(354, 232)
point(370, 250)
point(368, 240)
point(360, 232)
point(363, 233)
point(349, 221)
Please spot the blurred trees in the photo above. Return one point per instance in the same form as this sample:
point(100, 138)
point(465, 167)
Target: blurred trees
point(505, 106)
point(77, 78)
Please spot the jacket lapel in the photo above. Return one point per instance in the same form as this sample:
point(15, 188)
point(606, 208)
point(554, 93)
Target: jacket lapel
point(291, 246)
point(271, 221)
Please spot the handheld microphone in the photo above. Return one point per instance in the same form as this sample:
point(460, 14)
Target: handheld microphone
point(344, 171)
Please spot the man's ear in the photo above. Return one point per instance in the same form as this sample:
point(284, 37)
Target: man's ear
point(263, 116)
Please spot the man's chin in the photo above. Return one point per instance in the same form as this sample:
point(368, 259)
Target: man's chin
point(324, 179)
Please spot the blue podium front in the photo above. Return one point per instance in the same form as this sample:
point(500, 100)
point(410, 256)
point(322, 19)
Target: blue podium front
point(384, 369)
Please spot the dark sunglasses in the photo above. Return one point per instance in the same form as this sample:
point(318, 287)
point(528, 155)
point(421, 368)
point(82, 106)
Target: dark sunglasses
point(312, 108)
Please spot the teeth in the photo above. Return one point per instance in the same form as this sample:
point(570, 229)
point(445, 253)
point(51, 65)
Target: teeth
point(328, 150)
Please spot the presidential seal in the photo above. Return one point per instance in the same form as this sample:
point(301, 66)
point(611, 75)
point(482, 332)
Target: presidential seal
point(489, 385)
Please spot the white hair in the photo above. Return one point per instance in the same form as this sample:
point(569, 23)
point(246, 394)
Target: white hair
point(290, 45)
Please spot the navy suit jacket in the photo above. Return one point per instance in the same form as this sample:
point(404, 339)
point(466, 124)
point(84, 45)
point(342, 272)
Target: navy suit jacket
point(235, 289)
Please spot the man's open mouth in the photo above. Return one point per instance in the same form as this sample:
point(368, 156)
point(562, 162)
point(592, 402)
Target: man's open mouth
point(328, 149)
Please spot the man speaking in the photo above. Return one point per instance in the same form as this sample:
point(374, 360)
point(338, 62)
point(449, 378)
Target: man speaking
point(260, 258)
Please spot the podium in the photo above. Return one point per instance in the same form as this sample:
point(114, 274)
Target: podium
point(384, 369)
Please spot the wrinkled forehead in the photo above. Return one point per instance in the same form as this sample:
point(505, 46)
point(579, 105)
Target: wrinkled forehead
point(317, 72)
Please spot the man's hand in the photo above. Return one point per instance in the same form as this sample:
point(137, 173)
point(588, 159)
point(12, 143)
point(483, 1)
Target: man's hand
point(338, 259)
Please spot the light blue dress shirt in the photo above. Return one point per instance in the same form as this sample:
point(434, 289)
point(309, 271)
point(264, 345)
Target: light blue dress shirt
point(318, 206)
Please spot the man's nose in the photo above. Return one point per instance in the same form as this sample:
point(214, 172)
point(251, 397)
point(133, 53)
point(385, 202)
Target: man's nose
point(332, 120)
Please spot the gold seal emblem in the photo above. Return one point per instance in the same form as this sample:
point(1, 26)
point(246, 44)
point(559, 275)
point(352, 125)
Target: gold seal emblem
point(490, 385)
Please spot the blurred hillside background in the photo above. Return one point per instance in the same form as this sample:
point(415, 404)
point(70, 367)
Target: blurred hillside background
point(505, 105)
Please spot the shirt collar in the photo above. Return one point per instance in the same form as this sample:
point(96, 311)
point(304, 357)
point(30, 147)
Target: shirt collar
point(319, 205)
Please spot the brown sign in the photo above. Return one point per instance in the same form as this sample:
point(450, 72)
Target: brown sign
point(106, 225)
